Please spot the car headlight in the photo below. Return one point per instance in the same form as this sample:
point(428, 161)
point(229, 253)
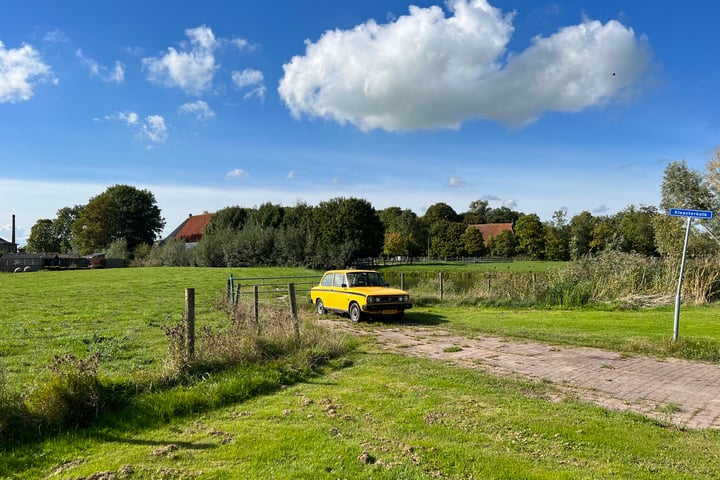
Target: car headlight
point(372, 299)
point(406, 298)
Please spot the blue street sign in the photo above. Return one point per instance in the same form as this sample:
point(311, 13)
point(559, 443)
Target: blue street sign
point(684, 212)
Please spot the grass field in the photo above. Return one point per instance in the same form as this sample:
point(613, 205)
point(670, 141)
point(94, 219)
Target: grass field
point(372, 415)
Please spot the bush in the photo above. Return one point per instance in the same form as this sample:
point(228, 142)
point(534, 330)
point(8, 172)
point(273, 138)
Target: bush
point(71, 398)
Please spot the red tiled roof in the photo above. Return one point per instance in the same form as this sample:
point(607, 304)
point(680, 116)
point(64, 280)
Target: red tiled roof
point(490, 230)
point(193, 228)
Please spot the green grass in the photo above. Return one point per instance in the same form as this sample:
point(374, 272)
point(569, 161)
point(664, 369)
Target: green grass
point(371, 415)
point(631, 331)
point(117, 313)
point(386, 417)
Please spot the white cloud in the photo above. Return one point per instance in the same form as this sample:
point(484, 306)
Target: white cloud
point(20, 69)
point(247, 77)
point(151, 130)
point(455, 181)
point(116, 74)
point(426, 70)
point(192, 68)
point(201, 110)
point(250, 78)
point(290, 175)
point(237, 173)
point(130, 118)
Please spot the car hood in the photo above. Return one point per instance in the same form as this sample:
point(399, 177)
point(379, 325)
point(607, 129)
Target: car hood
point(380, 290)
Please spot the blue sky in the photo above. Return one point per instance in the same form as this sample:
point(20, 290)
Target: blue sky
point(535, 106)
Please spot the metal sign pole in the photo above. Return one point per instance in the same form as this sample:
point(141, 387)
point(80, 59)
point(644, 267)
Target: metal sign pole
point(676, 324)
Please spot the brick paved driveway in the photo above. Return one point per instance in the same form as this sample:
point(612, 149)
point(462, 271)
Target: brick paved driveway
point(680, 392)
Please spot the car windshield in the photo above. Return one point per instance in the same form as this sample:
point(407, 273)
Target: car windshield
point(366, 279)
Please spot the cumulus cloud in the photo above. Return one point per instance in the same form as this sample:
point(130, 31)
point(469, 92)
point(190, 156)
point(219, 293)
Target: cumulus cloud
point(236, 173)
point(201, 110)
point(190, 68)
point(431, 71)
point(151, 130)
point(20, 70)
point(115, 74)
point(252, 79)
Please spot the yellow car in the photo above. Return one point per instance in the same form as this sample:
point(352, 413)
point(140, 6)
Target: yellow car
point(359, 294)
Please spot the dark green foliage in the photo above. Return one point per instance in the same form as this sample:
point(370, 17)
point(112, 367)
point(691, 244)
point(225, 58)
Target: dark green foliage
point(121, 212)
point(503, 245)
point(42, 238)
point(530, 235)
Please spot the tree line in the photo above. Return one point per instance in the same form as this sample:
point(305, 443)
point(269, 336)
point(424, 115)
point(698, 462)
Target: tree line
point(125, 221)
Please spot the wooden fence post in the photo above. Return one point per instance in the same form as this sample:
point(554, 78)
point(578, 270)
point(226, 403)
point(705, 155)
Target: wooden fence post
point(256, 298)
point(402, 281)
point(237, 294)
point(189, 325)
point(293, 309)
point(442, 287)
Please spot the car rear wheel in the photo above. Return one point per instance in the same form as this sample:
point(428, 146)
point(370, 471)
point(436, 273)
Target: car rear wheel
point(354, 312)
point(320, 307)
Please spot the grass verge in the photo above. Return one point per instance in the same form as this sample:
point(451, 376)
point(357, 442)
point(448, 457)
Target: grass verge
point(385, 417)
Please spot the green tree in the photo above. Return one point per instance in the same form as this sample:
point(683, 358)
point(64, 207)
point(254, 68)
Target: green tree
point(472, 241)
point(267, 215)
point(63, 228)
point(502, 215)
point(477, 212)
point(557, 237)
point(344, 231)
point(530, 235)
point(446, 239)
point(121, 212)
point(581, 234)
point(502, 245)
point(42, 237)
point(440, 212)
point(233, 218)
point(410, 228)
point(683, 187)
point(637, 230)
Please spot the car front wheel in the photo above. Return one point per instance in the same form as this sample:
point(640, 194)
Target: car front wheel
point(319, 307)
point(354, 312)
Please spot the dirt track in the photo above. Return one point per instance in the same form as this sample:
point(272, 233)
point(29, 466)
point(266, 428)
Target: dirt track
point(680, 392)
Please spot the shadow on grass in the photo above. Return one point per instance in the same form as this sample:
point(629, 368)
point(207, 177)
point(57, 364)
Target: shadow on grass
point(415, 318)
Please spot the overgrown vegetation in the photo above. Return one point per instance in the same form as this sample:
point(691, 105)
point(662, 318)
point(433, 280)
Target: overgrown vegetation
point(75, 393)
point(611, 278)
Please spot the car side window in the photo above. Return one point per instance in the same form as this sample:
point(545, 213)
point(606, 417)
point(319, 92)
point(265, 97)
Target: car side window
point(327, 280)
point(339, 279)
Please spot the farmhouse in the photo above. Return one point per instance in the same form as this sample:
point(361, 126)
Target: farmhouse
point(490, 230)
point(191, 230)
point(6, 247)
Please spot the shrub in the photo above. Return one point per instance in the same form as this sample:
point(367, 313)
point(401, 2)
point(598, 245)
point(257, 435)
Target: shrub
point(71, 397)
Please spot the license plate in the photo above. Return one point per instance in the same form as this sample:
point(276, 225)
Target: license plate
point(389, 312)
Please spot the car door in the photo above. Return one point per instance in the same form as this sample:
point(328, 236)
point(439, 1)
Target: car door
point(337, 296)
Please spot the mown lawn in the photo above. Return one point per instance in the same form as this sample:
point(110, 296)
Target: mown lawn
point(378, 416)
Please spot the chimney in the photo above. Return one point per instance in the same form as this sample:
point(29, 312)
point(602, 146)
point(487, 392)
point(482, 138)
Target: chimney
point(13, 245)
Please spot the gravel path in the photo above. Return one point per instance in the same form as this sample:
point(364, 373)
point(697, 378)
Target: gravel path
point(680, 392)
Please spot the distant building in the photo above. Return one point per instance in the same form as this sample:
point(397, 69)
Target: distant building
point(491, 230)
point(6, 247)
point(191, 230)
